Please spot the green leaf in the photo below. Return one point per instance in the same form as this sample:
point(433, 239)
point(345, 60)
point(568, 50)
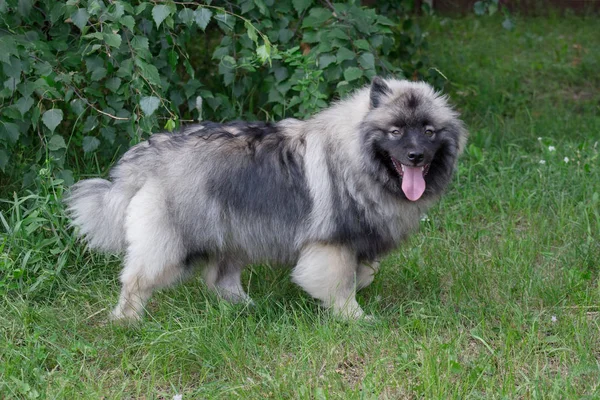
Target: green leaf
point(301, 5)
point(98, 73)
point(24, 104)
point(202, 17)
point(80, 18)
point(316, 17)
point(94, 7)
point(264, 52)
point(274, 96)
point(94, 35)
point(262, 7)
point(251, 31)
point(52, 118)
point(139, 43)
point(325, 60)
point(227, 64)
point(186, 15)
point(367, 61)
point(113, 84)
point(3, 159)
point(90, 144)
point(42, 68)
point(140, 8)
point(128, 21)
point(227, 21)
point(173, 57)
point(13, 68)
point(361, 44)
point(78, 106)
point(337, 33)
point(383, 20)
point(108, 133)
point(90, 124)
point(160, 13)
point(116, 10)
point(11, 84)
point(67, 176)
point(344, 54)
point(9, 132)
point(56, 143)
point(148, 71)
point(24, 7)
point(8, 47)
point(57, 12)
point(352, 74)
point(281, 73)
point(149, 104)
point(285, 35)
point(126, 68)
point(112, 39)
point(170, 125)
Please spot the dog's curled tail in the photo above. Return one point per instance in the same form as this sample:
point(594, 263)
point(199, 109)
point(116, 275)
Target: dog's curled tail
point(97, 207)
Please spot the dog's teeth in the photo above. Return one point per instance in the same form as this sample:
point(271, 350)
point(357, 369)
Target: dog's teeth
point(422, 169)
point(402, 167)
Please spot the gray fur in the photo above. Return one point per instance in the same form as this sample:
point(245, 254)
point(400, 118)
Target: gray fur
point(322, 194)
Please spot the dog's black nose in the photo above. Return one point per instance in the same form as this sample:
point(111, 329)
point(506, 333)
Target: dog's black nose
point(415, 156)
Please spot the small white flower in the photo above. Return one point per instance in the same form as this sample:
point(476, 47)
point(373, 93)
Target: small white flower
point(178, 397)
point(566, 159)
point(542, 161)
point(554, 319)
point(425, 218)
point(551, 148)
point(540, 139)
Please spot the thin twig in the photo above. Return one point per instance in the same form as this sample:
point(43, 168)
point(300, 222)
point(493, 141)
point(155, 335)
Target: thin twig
point(94, 107)
point(84, 98)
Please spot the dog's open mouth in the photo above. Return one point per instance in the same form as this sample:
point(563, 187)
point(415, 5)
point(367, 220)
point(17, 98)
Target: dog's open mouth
point(413, 179)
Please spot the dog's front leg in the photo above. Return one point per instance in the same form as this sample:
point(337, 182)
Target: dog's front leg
point(328, 273)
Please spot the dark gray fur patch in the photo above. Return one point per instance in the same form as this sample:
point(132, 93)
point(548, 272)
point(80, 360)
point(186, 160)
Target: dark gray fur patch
point(268, 181)
point(194, 257)
point(353, 229)
point(412, 101)
point(442, 166)
point(379, 89)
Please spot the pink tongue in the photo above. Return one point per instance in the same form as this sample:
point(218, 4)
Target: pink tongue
point(413, 184)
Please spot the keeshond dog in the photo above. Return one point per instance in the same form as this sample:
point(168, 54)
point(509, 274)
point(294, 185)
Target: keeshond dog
point(327, 196)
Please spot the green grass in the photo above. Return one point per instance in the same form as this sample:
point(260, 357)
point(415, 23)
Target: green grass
point(497, 297)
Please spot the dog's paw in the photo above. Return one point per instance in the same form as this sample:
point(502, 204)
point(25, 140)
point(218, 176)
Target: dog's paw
point(125, 317)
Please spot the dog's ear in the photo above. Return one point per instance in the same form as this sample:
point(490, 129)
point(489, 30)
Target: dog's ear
point(379, 90)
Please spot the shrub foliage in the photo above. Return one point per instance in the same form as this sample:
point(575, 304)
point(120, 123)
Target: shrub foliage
point(84, 79)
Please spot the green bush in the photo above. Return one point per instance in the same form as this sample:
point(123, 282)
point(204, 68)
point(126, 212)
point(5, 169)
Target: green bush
point(85, 79)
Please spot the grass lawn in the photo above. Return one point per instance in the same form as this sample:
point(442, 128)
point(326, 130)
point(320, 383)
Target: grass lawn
point(496, 297)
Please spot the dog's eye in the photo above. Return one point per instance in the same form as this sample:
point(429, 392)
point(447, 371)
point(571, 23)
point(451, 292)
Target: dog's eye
point(395, 131)
point(429, 132)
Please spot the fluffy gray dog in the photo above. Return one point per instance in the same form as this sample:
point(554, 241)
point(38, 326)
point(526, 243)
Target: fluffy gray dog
point(327, 196)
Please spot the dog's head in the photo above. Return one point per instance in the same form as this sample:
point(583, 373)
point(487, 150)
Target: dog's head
point(413, 138)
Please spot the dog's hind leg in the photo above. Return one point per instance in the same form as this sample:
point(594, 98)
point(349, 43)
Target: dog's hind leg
point(224, 277)
point(155, 252)
point(328, 273)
